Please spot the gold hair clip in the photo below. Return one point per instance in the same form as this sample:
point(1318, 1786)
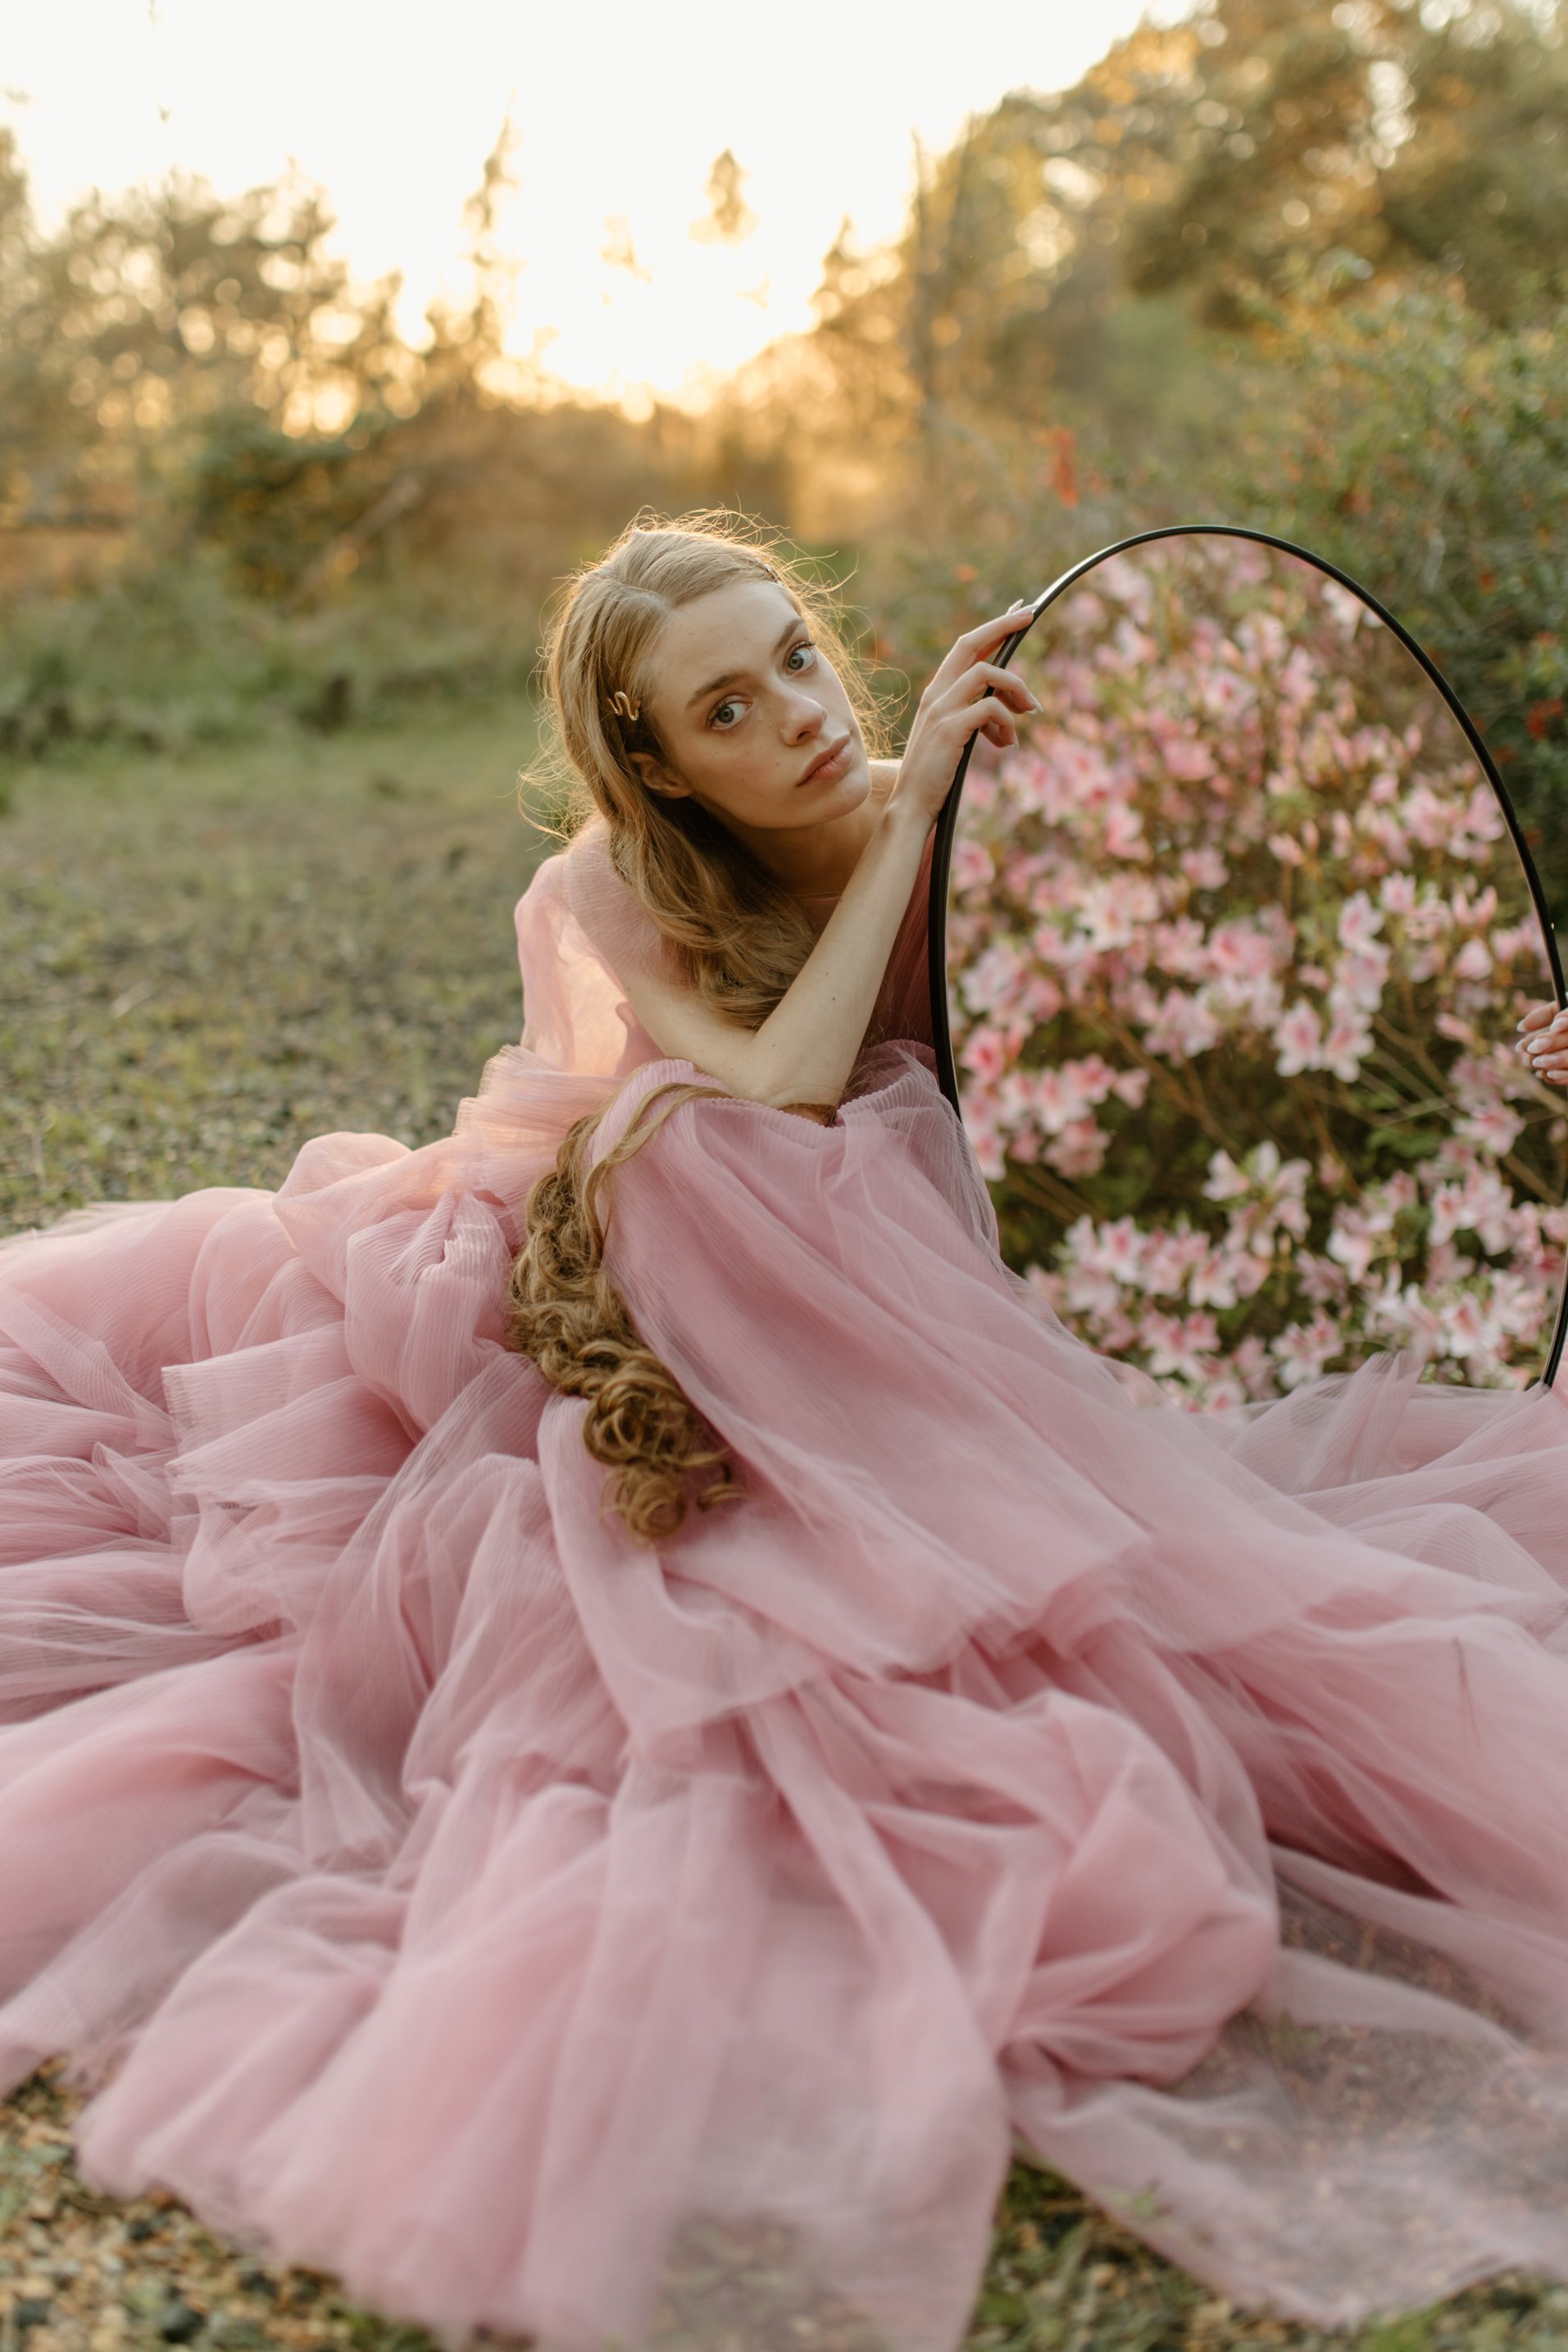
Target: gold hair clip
point(621, 701)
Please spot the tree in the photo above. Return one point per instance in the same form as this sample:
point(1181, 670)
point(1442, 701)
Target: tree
point(1070, 247)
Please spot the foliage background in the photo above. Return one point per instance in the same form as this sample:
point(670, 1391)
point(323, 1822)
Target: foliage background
point(233, 497)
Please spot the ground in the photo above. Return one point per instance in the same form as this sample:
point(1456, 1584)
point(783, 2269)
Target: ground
point(207, 961)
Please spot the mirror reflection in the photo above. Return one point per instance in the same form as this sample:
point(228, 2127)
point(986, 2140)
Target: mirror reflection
point(1237, 941)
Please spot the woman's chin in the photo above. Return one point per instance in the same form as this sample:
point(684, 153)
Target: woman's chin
point(821, 803)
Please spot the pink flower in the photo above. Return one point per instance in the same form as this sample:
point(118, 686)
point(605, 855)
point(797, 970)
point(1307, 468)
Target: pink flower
point(1520, 941)
point(1323, 1283)
point(1481, 1204)
point(981, 1128)
point(1226, 1275)
point(1132, 645)
point(1360, 977)
point(1241, 950)
point(1188, 759)
point(1058, 1099)
point(1354, 1240)
point(986, 1054)
point(1203, 868)
point(1124, 832)
point(1118, 1247)
point(1181, 1347)
point(1303, 1349)
point(972, 866)
point(992, 981)
point(1226, 1180)
point(1429, 819)
point(1467, 1329)
point(1494, 1129)
point(1080, 1149)
point(1346, 1046)
point(1170, 1257)
point(1180, 948)
point(1182, 1028)
point(1359, 921)
point(1298, 1037)
point(1347, 612)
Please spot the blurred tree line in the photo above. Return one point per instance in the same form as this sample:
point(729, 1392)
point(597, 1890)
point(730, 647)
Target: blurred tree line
point(1302, 263)
point(250, 494)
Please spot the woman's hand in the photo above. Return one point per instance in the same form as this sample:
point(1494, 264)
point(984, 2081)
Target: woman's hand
point(968, 695)
point(1544, 1042)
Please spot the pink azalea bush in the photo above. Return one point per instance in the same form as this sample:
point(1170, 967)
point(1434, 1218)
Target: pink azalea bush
point(1237, 942)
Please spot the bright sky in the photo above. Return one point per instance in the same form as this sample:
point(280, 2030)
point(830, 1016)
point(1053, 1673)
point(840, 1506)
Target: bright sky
point(620, 107)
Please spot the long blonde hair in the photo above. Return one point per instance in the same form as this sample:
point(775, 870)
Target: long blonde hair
point(736, 932)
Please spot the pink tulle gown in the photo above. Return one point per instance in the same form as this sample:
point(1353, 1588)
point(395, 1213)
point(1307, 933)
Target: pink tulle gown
point(627, 1946)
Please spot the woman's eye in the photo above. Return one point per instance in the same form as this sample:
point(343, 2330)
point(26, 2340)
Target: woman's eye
point(805, 648)
point(725, 714)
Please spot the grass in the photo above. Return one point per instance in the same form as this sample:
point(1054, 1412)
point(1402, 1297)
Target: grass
point(208, 961)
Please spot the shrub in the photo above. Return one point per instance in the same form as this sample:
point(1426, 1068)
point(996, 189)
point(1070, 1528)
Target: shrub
point(1237, 942)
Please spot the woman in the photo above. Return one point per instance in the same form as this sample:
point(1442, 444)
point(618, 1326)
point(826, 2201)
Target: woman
point(613, 1835)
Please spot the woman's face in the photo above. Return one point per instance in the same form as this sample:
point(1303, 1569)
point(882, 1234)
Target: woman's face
point(753, 719)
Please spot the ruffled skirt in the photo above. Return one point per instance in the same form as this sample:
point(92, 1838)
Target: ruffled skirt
point(631, 1945)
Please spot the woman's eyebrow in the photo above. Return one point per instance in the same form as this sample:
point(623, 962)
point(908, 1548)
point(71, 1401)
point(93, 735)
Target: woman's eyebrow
point(732, 676)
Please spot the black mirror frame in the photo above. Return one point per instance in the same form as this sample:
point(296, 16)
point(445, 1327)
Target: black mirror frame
point(947, 821)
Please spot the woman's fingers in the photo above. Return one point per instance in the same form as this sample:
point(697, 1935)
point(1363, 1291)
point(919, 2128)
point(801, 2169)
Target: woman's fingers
point(986, 678)
point(1552, 1062)
point(977, 643)
point(1544, 1042)
point(992, 631)
point(984, 702)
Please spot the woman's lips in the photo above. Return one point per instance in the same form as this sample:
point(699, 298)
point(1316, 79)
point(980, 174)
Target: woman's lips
point(832, 765)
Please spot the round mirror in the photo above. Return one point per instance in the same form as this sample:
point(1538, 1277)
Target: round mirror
point(1235, 942)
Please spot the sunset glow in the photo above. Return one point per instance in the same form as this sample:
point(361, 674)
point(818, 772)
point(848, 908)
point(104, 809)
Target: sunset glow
point(619, 118)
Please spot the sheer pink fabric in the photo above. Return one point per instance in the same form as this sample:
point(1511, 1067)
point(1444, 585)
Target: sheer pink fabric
point(654, 1946)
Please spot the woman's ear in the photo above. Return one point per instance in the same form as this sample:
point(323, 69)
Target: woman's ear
point(658, 779)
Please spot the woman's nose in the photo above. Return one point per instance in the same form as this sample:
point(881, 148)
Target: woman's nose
point(802, 717)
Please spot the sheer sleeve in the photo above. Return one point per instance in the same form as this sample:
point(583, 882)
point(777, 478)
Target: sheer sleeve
point(581, 933)
point(623, 934)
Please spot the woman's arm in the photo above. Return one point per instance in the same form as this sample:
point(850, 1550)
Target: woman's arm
point(807, 1047)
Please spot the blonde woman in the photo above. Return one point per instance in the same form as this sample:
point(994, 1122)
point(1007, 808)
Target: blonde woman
point(600, 1718)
